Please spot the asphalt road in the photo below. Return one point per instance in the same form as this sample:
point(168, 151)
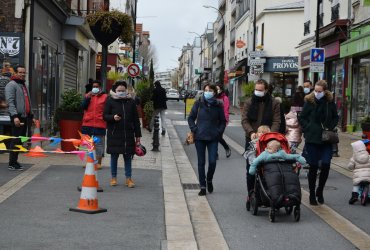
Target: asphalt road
point(245, 231)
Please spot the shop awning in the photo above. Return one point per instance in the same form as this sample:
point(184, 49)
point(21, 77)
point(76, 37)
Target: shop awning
point(356, 46)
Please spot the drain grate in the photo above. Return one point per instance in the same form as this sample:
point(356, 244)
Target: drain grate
point(190, 186)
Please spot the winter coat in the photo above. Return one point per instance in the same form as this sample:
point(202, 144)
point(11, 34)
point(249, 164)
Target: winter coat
point(94, 108)
point(360, 163)
point(226, 103)
point(317, 114)
point(159, 98)
point(16, 100)
point(280, 155)
point(207, 120)
point(121, 134)
point(252, 126)
point(293, 129)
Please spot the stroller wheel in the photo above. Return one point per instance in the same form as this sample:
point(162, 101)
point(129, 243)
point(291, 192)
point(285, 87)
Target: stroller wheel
point(288, 210)
point(254, 204)
point(297, 213)
point(364, 195)
point(272, 215)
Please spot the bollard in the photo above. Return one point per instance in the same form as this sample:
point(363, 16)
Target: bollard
point(156, 135)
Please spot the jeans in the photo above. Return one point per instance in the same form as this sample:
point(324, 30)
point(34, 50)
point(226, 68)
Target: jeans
point(212, 147)
point(128, 164)
point(161, 112)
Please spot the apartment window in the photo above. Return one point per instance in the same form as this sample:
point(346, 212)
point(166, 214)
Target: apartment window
point(306, 29)
point(335, 10)
point(262, 33)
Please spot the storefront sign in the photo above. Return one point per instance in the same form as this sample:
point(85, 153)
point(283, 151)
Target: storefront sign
point(331, 49)
point(281, 64)
point(257, 61)
point(258, 53)
point(305, 58)
point(12, 47)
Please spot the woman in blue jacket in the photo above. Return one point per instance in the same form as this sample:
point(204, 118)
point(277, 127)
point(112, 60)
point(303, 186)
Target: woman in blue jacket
point(207, 122)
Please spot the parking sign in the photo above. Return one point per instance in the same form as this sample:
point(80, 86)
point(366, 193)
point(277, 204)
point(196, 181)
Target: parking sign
point(317, 55)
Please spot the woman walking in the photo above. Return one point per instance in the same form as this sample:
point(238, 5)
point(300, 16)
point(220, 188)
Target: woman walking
point(207, 122)
point(123, 129)
point(319, 112)
point(221, 95)
point(93, 123)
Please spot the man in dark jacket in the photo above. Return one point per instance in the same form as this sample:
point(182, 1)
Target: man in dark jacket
point(159, 102)
point(20, 111)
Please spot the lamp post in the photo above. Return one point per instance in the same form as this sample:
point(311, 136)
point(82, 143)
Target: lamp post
point(317, 41)
point(223, 35)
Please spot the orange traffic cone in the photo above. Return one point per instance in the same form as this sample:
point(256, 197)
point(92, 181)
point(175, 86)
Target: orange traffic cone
point(88, 200)
point(36, 144)
point(98, 187)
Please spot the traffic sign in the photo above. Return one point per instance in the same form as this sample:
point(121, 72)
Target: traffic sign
point(133, 70)
point(317, 67)
point(258, 53)
point(317, 55)
point(257, 61)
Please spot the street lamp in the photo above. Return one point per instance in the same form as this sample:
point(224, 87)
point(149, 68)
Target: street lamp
point(211, 7)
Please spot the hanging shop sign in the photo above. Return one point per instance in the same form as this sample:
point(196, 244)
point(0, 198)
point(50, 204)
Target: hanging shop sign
point(240, 44)
point(12, 47)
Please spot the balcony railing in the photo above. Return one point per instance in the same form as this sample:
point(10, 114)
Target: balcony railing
point(335, 12)
point(220, 48)
point(306, 29)
point(232, 36)
point(321, 20)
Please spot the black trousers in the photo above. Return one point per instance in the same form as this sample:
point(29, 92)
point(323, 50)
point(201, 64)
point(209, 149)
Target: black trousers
point(223, 143)
point(18, 131)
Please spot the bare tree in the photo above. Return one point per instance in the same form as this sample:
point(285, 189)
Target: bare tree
point(148, 52)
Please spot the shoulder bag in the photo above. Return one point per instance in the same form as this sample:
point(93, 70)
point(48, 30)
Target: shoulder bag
point(328, 136)
point(190, 136)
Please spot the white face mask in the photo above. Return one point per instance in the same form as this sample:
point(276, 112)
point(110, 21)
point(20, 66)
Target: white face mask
point(319, 95)
point(259, 93)
point(95, 90)
point(306, 90)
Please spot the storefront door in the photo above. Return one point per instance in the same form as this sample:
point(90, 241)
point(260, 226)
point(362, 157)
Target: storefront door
point(361, 94)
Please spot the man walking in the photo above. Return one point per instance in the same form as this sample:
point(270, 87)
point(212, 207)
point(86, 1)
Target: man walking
point(159, 102)
point(19, 107)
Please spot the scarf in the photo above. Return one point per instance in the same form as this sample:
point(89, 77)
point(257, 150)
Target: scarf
point(267, 112)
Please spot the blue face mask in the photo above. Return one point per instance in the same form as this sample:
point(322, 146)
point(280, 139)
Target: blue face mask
point(319, 95)
point(122, 94)
point(208, 95)
point(306, 90)
point(95, 90)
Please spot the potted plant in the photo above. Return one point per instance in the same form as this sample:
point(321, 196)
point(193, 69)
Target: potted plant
point(69, 117)
point(365, 126)
point(247, 91)
point(144, 91)
point(350, 128)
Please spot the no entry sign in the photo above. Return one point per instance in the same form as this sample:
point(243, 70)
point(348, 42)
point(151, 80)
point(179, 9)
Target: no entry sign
point(133, 70)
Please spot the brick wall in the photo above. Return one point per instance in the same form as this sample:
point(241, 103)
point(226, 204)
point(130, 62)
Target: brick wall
point(8, 23)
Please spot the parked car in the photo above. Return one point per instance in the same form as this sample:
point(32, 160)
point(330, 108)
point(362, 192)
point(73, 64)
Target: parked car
point(173, 94)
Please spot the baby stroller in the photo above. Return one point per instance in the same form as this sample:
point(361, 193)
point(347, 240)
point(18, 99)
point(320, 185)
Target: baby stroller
point(276, 183)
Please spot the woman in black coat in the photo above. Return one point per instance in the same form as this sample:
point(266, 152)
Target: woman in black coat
point(124, 131)
point(207, 122)
point(319, 112)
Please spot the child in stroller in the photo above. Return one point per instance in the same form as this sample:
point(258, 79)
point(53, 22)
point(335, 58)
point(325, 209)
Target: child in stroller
point(250, 153)
point(276, 183)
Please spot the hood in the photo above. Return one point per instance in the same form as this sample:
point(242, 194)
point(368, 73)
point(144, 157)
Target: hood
point(360, 153)
point(291, 119)
point(311, 97)
point(114, 95)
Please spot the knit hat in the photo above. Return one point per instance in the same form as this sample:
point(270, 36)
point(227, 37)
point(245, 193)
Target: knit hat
point(360, 154)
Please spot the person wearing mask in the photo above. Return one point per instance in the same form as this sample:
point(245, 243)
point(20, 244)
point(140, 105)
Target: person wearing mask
point(260, 109)
point(207, 122)
point(307, 87)
point(123, 132)
point(159, 99)
point(319, 112)
point(93, 123)
point(20, 111)
point(221, 95)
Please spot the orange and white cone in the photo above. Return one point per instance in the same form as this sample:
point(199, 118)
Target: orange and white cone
point(36, 144)
point(98, 187)
point(89, 196)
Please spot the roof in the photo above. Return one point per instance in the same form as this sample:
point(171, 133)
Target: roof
point(296, 5)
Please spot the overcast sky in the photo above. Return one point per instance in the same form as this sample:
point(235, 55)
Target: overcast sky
point(170, 25)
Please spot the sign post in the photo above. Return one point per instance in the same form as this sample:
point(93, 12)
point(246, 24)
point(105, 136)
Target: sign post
point(133, 70)
point(317, 60)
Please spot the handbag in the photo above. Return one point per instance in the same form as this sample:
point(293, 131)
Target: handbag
point(190, 135)
point(328, 136)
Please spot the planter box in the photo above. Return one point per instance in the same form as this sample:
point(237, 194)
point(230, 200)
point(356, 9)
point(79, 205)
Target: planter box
point(69, 123)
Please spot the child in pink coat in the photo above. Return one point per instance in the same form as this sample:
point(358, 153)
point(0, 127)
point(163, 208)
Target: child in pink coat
point(293, 130)
point(221, 95)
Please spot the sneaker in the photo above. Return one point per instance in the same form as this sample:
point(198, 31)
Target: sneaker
point(15, 167)
point(209, 186)
point(163, 132)
point(354, 198)
point(228, 153)
point(130, 183)
point(202, 192)
point(113, 181)
point(98, 166)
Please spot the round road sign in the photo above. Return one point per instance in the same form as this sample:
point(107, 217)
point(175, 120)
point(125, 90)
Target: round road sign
point(133, 70)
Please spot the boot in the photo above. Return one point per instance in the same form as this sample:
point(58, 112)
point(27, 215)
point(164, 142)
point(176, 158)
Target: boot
point(209, 186)
point(202, 192)
point(312, 184)
point(113, 181)
point(130, 183)
point(354, 198)
point(98, 165)
point(324, 173)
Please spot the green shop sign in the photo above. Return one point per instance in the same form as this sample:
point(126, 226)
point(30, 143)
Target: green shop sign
point(357, 45)
point(366, 2)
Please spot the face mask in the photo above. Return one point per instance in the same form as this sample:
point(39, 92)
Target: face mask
point(122, 94)
point(259, 93)
point(95, 90)
point(306, 90)
point(319, 95)
point(208, 95)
